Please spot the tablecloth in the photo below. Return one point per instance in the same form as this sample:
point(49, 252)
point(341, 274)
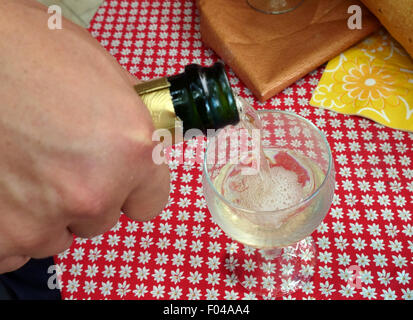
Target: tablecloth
point(364, 245)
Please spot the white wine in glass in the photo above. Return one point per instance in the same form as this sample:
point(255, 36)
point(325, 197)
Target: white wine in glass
point(272, 213)
point(274, 6)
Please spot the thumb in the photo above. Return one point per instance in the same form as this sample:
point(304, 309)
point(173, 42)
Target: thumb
point(149, 198)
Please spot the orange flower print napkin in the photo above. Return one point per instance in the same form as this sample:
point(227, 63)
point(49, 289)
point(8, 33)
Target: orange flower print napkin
point(374, 79)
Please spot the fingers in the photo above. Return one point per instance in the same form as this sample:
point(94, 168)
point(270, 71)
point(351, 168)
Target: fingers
point(51, 243)
point(92, 226)
point(12, 263)
point(149, 198)
point(143, 203)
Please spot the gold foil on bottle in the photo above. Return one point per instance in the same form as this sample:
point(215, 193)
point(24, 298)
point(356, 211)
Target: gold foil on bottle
point(151, 86)
point(156, 96)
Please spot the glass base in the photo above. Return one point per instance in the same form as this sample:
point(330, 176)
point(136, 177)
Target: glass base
point(271, 274)
point(274, 6)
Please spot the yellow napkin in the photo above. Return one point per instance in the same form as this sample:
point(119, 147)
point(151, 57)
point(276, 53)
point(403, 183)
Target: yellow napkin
point(374, 79)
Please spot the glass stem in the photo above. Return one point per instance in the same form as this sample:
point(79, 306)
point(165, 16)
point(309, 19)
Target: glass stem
point(271, 254)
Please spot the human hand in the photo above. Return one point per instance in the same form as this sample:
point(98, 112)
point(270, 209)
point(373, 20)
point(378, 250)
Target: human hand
point(75, 139)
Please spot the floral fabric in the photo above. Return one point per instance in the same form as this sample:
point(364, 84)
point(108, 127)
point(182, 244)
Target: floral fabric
point(364, 244)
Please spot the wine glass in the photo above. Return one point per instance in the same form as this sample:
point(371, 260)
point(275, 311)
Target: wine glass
point(274, 6)
point(273, 213)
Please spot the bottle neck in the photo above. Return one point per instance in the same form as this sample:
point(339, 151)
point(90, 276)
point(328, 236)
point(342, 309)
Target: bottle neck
point(203, 99)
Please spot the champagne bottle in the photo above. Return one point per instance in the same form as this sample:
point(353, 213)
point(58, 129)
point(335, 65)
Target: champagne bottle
point(199, 98)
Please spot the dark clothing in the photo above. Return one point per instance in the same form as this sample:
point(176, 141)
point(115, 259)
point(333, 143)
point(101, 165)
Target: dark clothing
point(30, 282)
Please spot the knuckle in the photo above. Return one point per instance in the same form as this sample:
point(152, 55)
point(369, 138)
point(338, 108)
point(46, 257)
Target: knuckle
point(29, 243)
point(140, 131)
point(63, 245)
point(44, 244)
point(140, 141)
point(85, 203)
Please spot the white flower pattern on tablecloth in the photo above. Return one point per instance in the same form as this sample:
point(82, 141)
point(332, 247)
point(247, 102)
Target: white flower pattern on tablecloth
point(366, 238)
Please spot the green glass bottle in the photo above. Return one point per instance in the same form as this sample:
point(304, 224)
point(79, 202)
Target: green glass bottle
point(200, 97)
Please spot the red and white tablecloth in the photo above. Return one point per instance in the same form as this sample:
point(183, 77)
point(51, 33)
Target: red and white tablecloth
point(182, 254)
